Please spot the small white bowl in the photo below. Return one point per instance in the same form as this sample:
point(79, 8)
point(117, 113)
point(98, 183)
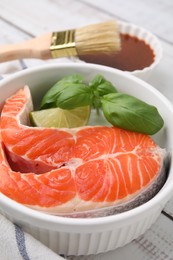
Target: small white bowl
point(144, 35)
point(72, 236)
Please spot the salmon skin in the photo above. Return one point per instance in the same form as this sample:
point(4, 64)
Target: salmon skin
point(75, 171)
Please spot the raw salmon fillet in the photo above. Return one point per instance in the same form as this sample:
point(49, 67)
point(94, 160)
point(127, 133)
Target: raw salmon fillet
point(72, 170)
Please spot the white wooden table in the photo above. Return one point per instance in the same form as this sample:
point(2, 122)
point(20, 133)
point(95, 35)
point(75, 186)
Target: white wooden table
point(20, 20)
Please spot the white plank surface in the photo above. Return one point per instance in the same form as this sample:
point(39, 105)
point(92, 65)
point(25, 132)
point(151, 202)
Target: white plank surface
point(40, 16)
point(20, 20)
point(154, 15)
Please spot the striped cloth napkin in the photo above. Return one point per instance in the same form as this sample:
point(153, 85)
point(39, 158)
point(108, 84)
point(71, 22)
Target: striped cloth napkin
point(18, 245)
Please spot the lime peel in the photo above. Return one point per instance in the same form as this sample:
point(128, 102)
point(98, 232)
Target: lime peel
point(61, 118)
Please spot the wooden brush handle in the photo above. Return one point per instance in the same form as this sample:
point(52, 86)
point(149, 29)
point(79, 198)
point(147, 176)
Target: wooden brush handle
point(36, 48)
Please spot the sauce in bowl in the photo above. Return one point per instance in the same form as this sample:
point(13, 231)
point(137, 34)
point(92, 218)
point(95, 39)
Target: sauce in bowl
point(135, 54)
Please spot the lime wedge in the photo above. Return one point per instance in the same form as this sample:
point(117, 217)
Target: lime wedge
point(57, 117)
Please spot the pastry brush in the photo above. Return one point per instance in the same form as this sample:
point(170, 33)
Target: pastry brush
point(92, 39)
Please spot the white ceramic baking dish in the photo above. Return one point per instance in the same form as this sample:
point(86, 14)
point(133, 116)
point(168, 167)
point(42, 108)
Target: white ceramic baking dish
point(72, 236)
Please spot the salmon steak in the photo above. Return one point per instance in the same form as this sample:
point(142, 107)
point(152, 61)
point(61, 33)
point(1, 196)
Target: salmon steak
point(68, 171)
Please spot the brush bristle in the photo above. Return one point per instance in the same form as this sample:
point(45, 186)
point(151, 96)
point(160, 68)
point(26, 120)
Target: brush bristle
point(98, 38)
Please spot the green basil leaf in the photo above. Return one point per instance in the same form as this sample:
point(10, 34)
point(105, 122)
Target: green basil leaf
point(100, 87)
point(132, 114)
point(74, 95)
point(49, 99)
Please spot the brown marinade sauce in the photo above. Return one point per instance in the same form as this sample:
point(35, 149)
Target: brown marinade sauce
point(135, 54)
